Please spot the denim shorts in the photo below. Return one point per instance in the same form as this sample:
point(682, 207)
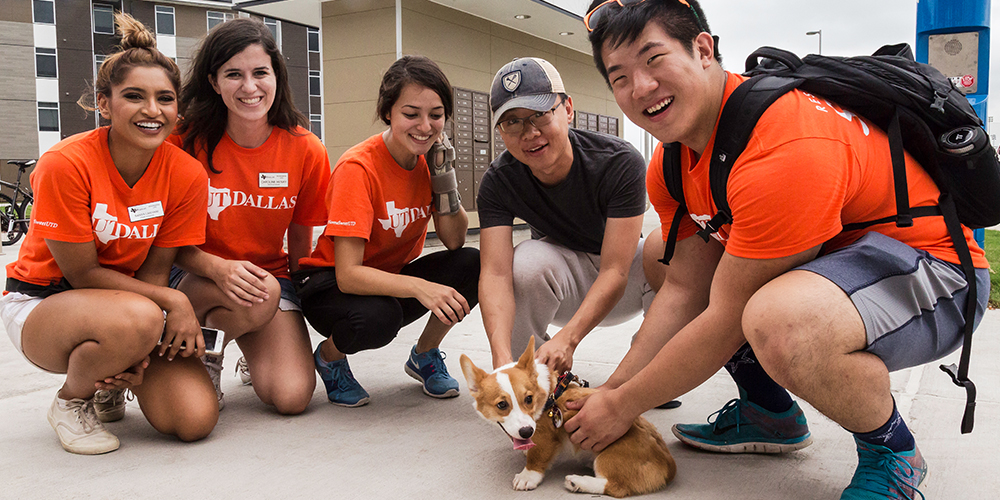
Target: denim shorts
point(911, 302)
point(289, 300)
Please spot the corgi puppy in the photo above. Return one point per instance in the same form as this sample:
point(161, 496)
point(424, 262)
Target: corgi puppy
point(514, 396)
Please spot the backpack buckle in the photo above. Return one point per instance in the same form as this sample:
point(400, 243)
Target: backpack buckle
point(968, 418)
point(711, 227)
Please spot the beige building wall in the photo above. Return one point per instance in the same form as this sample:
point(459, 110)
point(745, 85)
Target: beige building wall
point(19, 139)
point(359, 39)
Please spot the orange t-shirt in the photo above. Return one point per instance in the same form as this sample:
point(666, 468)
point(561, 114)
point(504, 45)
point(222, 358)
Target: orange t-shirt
point(260, 192)
point(809, 168)
point(80, 196)
point(372, 197)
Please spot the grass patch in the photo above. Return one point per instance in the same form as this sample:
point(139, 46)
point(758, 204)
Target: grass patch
point(993, 255)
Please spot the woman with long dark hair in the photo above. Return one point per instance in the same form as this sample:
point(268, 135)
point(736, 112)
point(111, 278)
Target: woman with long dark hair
point(365, 281)
point(88, 294)
point(267, 175)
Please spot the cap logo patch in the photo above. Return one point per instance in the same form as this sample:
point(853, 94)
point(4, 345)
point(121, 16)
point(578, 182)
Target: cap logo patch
point(512, 80)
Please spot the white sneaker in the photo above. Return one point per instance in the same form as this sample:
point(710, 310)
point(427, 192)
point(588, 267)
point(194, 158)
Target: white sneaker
point(110, 405)
point(75, 422)
point(244, 370)
point(214, 366)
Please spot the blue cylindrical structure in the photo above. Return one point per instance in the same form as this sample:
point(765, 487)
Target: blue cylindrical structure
point(965, 17)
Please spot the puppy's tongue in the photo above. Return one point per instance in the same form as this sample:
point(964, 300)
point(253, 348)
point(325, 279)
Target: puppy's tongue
point(523, 444)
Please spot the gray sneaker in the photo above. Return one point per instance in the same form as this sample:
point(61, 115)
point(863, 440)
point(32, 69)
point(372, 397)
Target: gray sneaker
point(78, 428)
point(110, 405)
point(243, 369)
point(214, 366)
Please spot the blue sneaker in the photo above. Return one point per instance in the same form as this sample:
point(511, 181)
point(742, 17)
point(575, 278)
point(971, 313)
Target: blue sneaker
point(882, 474)
point(341, 386)
point(429, 369)
point(743, 427)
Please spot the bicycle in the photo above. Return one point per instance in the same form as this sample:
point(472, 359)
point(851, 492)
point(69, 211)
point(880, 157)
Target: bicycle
point(12, 214)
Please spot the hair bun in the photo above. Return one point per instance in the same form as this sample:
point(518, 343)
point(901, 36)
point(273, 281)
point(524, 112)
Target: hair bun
point(134, 34)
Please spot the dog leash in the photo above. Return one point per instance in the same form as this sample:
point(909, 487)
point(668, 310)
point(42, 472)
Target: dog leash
point(561, 385)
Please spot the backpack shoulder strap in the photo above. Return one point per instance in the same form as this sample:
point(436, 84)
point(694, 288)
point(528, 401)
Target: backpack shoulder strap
point(739, 117)
point(960, 374)
point(672, 178)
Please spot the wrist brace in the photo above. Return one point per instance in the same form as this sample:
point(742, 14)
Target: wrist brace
point(444, 185)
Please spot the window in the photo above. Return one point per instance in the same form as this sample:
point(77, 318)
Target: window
point(164, 20)
point(313, 35)
point(48, 116)
point(316, 125)
point(314, 84)
point(217, 18)
point(44, 11)
point(98, 61)
point(275, 26)
point(104, 19)
point(45, 63)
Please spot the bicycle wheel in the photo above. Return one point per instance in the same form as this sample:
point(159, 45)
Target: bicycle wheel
point(9, 215)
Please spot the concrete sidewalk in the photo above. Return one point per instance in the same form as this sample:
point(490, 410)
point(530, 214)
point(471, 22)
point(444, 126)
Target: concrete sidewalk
point(405, 444)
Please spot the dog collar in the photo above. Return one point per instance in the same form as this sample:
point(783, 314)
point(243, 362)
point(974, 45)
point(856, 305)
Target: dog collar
point(561, 385)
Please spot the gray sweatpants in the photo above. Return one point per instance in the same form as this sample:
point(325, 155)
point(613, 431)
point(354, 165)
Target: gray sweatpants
point(551, 281)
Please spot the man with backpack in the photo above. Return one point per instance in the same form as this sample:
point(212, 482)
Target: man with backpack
point(788, 293)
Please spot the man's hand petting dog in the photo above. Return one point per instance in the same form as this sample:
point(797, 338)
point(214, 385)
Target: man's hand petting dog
point(600, 421)
point(557, 354)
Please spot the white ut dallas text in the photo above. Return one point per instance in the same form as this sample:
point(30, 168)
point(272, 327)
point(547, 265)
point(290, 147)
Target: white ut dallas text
point(399, 218)
point(107, 227)
point(220, 199)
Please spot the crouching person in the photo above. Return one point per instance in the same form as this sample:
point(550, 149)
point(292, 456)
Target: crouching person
point(365, 280)
point(88, 295)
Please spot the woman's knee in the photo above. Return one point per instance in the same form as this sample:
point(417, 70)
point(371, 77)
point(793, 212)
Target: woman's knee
point(198, 424)
point(293, 398)
point(260, 314)
point(140, 325)
point(289, 390)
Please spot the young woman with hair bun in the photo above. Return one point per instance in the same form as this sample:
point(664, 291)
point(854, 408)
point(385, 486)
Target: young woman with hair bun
point(88, 295)
point(267, 176)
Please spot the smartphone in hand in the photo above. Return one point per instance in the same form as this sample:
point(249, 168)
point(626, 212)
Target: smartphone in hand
point(215, 340)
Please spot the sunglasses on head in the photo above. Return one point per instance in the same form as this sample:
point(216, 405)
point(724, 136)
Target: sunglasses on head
point(593, 18)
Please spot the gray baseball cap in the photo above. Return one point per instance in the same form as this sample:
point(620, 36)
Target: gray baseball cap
point(529, 83)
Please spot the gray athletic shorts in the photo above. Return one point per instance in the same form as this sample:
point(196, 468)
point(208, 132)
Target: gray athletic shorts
point(289, 299)
point(910, 301)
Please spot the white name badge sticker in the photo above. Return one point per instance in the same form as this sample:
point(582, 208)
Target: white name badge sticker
point(273, 179)
point(145, 211)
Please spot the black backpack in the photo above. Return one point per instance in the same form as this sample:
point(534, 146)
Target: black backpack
point(921, 112)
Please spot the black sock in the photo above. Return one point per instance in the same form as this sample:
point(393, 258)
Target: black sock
point(760, 389)
point(894, 434)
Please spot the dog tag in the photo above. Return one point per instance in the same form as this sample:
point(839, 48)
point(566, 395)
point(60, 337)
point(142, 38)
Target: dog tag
point(556, 415)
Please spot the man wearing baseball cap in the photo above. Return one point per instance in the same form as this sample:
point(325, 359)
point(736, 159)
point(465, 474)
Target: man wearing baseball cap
point(583, 195)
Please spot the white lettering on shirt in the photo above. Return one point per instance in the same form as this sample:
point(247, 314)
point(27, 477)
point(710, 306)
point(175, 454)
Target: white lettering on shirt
point(220, 199)
point(107, 228)
point(399, 218)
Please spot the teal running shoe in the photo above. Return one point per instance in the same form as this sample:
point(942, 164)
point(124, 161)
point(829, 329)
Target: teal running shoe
point(743, 427)
point(429, 369)
point(341, 387)
point(884, 474)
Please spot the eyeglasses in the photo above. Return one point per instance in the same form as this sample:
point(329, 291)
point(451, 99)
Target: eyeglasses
point(515, 126)
point(593, 18)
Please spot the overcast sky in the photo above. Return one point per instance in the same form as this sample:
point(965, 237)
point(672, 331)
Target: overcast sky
point(850, 27)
